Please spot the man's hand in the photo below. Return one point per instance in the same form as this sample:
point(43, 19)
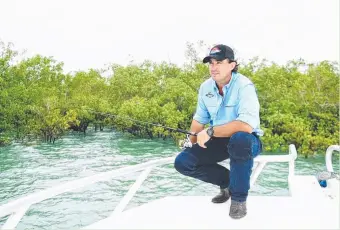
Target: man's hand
point(195, 128)
point(202, 138)
point(186, 143)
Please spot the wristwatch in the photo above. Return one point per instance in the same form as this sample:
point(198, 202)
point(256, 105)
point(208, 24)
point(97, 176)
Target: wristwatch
point(210, 131)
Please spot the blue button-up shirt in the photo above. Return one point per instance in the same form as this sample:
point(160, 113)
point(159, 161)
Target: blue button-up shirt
point(239, 102)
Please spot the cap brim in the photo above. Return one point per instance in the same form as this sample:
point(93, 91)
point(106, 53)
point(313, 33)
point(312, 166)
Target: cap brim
point(217, 57)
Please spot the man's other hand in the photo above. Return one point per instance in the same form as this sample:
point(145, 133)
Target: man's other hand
point(202, 138)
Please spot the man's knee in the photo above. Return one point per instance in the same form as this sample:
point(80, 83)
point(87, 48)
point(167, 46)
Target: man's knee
point(240, 146)
point(184, 163)
point(178, 164)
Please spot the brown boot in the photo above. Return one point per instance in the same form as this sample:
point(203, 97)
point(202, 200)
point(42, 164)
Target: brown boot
point(222, 197)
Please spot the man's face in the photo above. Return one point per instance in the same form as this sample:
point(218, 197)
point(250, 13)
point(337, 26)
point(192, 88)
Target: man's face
point(220, 70)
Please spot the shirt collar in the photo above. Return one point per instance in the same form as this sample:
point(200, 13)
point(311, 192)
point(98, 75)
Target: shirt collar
point(227, 86)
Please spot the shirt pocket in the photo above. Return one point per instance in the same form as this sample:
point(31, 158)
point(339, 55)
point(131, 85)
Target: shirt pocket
point(230, 109)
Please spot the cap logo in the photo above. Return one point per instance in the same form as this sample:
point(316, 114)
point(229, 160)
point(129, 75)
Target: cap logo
point(215, 50)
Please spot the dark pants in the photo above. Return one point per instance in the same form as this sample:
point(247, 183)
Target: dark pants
point(201, 163)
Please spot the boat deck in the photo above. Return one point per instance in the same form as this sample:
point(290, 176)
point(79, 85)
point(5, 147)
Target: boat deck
point(307, 209)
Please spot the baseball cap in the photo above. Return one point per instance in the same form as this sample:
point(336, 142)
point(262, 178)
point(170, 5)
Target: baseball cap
point(220, 52)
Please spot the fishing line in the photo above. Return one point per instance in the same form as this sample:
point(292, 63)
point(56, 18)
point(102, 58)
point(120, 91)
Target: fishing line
point(143, 122)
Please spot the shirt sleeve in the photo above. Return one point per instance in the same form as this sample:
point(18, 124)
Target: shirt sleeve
point(202, 115)
point(249, 106)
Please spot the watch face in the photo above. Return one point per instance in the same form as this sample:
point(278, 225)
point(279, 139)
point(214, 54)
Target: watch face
point(210, 131)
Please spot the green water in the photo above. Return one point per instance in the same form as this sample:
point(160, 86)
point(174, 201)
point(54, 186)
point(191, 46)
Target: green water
point(27, 169)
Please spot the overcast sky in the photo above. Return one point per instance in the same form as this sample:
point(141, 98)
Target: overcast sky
point(89, 34)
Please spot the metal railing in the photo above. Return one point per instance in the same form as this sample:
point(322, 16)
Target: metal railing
point(328, 157)
point(17, 208)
